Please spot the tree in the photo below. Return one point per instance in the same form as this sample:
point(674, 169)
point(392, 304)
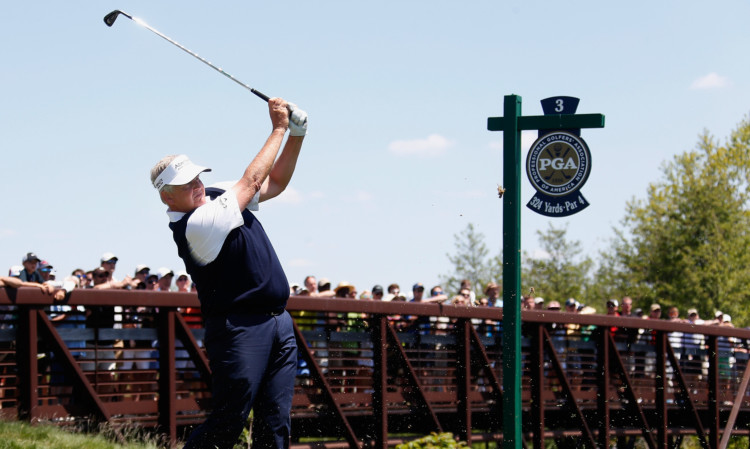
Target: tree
point(470, 262)
point(686, 243)
point(561, 273)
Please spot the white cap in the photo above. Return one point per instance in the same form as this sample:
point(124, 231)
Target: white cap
point(179, 172)
point(182, 273)
point(141, 267)
point(164, 271)
point(15, 271)
point(108, 256)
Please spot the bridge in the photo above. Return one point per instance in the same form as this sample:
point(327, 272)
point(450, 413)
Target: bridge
point(379, 373)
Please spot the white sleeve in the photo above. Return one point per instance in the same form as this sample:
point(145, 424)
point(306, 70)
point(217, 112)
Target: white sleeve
point(210, 224)
point(227, 186)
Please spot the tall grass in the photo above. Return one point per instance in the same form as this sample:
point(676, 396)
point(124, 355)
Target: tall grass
point(22, 435)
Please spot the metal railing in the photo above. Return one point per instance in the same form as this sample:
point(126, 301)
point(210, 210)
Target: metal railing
point(375, 374)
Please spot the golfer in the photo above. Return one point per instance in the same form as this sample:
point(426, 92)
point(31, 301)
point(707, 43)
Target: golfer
point(241, 286)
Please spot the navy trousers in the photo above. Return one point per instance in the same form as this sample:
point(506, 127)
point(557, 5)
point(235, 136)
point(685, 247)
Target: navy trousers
point(253, 361)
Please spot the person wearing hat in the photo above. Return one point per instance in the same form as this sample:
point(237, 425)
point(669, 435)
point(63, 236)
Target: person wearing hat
point(141, 273)
point(241, 284)
point(324, 289)
point(164, 276)
point(345, 290)
point(377, 292)
point(571, 305)
point(30, 272)
point(183, 282)
point(492, 292)
point(654, 312)
point(46, 270)
point(612, 305)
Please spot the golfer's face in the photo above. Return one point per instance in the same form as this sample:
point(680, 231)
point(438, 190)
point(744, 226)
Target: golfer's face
point(189, 196)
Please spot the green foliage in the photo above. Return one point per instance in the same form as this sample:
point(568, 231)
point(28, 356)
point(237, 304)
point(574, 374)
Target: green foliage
point(687, 241)
point(434, 441)
point(471, 262)
point(562, 272)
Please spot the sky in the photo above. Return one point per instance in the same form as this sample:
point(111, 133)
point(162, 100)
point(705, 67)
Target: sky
point(398, 159)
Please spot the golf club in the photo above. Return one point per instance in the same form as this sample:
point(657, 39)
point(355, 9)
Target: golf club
point(110, 18)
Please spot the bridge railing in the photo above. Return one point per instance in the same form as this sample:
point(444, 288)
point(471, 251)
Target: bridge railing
point(373, 372)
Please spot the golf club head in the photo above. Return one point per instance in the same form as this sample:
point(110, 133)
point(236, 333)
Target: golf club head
point(110, 18)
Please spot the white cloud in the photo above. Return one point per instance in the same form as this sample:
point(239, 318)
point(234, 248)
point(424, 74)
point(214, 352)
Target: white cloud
point(527, 138)
point(433, 145)
point(711, 81)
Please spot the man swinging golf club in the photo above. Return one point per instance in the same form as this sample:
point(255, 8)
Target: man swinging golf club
point(241, 285)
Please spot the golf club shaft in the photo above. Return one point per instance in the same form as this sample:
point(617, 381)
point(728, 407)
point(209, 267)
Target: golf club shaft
point(109, 19)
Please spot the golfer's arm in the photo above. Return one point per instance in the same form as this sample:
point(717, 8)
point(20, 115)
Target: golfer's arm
point(282, 170)
point(259, 168)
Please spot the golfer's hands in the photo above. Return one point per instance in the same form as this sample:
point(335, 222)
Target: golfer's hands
point(278, 109)
point(297, 121)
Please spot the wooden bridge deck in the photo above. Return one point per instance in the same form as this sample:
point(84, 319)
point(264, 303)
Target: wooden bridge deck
point(372, 374)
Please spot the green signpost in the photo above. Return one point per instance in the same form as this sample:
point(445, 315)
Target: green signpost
point(512, 123)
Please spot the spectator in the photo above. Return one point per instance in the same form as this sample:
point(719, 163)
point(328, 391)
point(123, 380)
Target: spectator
point(627, 307)
point(141, 273)
point(345, 290)
point(693, 317)
point(436, 295)
point(183, 282)
point(100, 318)
point(366, 295)
point(29, 273)
point(152, 282)
point(165, 276)
point(45, 270)
point(527, 302)
point(465, 283)
point(15, 271)
point(492, 292)
point(108, 261)
point(311, 286)
point(324, 288)
point(463, 298)
point(87, 281)
point(693, 345)
point(393, 291)
point(80, 277)
point(417, 292)
point(538, 303)
point(612, 306)
point(377, 292)
point(654, 312)
point(553, 306)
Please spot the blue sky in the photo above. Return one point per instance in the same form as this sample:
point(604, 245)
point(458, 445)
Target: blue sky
point(398, 158)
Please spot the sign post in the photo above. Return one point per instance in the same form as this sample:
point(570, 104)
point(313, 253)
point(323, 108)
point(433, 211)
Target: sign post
point(561, 120)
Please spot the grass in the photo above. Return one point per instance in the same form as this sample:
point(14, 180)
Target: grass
point(22, 435)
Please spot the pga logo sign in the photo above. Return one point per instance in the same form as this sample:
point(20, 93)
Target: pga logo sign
point(558, 165)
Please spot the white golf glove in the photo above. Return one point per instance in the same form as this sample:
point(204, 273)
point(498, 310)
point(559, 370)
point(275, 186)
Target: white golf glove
point(297, 121)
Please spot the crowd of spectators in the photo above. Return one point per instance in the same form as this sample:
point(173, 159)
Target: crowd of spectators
point(39, 273)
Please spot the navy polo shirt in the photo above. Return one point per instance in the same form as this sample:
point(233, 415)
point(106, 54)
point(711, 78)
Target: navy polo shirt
point(240, 275)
